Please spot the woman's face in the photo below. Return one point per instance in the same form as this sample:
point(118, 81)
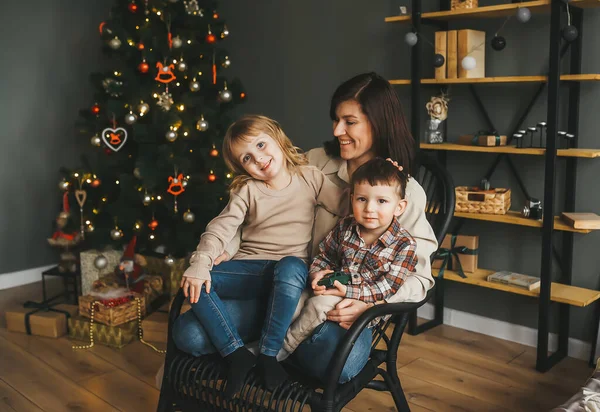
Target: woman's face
point(353, 131)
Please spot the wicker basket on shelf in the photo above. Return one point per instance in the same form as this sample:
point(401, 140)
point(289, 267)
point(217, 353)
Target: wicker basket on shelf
point(474, 200)
point(464, 4)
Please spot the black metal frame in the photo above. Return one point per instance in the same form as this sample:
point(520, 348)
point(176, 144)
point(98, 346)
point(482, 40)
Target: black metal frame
point(197, 383)
point(565, 260)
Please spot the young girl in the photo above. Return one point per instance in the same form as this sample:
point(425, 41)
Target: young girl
point(272, 200)
point(370, 246)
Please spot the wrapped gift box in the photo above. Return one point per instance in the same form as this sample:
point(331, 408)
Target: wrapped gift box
point(114, 336)
point(89, 273)
point(468, 259)
point(153, 288)
point(112, 315)
point(171, 274)
point(51, 324)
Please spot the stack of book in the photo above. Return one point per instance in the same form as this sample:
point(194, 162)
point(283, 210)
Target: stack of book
point(455, 45)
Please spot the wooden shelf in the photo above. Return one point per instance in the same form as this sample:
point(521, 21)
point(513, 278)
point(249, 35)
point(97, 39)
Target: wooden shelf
point(583, 153)
point(571, 295)
point(503, 79)
point(513, 217)
point(501, 10)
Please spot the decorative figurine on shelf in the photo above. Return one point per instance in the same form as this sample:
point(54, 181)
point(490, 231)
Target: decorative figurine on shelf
point(65, 237)
point(130, 271)
point(437, 108)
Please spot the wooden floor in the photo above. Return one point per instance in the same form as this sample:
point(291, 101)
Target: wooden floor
point(445, 369)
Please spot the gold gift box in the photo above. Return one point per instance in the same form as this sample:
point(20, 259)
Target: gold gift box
point(113, 336)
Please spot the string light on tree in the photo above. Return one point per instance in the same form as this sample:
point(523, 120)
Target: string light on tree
point(132, 7)
point(64, 184)
point(95, 108)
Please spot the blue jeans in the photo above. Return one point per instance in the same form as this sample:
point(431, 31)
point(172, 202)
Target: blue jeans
point(313, 355)
point(281, 282)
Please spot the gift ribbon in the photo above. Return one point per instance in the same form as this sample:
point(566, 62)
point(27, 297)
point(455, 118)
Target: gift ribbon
point(446, 255)
point(39, 307)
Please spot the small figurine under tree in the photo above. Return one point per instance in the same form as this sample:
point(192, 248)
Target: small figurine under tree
point(130, 271)
point(66, 236)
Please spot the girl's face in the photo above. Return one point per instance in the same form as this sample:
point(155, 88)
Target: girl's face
point(260, 156)
point(353, 131)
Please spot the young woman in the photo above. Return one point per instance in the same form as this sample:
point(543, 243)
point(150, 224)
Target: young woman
point(368, 121)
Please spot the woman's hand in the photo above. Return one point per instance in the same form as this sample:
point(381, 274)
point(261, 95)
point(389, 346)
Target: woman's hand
point(346, 312)
point(192, 287)
point(223, 257)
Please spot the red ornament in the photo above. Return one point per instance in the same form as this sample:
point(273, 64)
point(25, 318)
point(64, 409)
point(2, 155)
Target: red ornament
point(211, 38)
point(215, 15)
point(242, 95)
point(132, 7)
point(96, 182)
point(212, 177)
point(96, 108)
point(140, 46)
point(143, 67)
point(101, 27)
point(153, 224)
point(214, 152)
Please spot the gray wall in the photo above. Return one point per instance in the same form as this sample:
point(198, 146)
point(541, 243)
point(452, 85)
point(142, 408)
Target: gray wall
point(49, 48)
point(290, 56)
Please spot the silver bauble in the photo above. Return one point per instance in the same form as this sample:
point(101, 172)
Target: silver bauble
point(96, 141)
point(177, 42)
point(100, 262)
point(411, 39)
point(63, 184)
point(171, 136)
point(225, 95)
point(137, 173)
point(226, 63)
point(116, 234)
point(114, 43)
point(89, 228)
point(182, 66)
point(202, 125)
point(130, 118)
point(189, 217)
point(147, 200)
point(523, 14)
point(184, 183)
point(194, 85)
point(169, 260)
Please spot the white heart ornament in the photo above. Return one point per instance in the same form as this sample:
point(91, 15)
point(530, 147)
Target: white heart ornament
point(114, 139)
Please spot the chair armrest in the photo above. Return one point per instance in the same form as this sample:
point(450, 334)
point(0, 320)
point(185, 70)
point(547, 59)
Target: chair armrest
point(336, 364)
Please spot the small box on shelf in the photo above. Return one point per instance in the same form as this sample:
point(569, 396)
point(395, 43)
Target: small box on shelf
point(482, 140)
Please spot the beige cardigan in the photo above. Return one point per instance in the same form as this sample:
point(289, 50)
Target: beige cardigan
point(413, 219)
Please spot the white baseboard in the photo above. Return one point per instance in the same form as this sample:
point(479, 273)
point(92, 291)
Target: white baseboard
point(22, 277)
point(508, 331)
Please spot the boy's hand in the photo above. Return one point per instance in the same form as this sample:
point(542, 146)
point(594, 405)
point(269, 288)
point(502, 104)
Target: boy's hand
point(317, 276)
point(192, 288)
point(338, 290)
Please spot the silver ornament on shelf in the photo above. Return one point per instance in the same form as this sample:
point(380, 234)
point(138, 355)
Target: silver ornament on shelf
point(130, 118)
point(523, 14)
point(177, 42)
point(182, 66)
point(63, 184)
point(194, 85)
point(189, 217)
point(116, 234)
point(169, 260)
point(202, 124)
point(100, 262)
point(114, 43)
point(171, 135)
point(96, 141)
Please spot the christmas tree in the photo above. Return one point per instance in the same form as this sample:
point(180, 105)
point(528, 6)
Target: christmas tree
point(157, 122)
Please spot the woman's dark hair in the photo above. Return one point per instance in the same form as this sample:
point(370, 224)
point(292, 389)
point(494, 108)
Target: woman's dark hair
point(379, 171)
point(380, 103)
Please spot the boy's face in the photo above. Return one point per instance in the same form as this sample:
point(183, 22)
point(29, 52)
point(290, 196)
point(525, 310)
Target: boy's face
point(374, 207)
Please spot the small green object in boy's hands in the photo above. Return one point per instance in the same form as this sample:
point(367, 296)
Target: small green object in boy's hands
point(330, 279)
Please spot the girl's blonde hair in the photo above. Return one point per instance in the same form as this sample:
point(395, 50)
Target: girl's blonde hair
point(251, 126)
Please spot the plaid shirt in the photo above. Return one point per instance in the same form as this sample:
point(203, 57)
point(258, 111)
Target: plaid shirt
point(377, 272)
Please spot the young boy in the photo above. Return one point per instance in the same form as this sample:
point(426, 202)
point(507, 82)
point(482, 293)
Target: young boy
point(369, 245)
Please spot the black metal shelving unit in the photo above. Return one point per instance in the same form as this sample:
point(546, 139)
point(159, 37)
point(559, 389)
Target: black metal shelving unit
point(564, 258)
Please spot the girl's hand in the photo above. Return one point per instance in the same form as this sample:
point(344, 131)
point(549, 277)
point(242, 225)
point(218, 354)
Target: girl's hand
point(192, 288)
point(315, 277)
point(223, 257)
point(346, 312)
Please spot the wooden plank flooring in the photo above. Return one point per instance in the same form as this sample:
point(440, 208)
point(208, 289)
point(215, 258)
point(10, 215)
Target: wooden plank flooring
point(444, 369)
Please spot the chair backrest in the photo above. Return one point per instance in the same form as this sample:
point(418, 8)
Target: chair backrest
point(439, 189)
